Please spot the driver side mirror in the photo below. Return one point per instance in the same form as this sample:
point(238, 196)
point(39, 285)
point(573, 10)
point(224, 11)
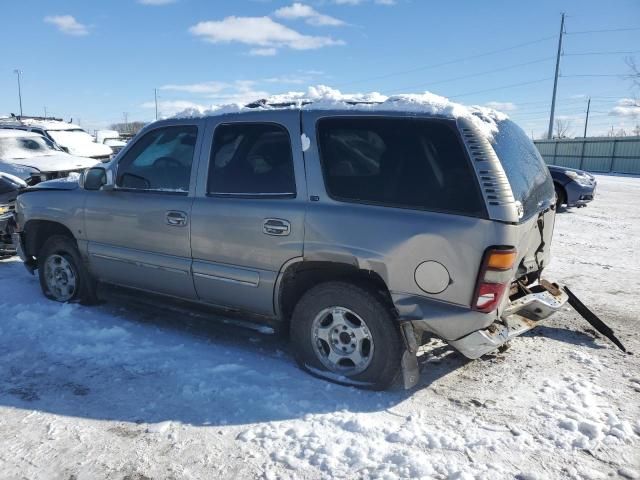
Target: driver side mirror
point(97, 178)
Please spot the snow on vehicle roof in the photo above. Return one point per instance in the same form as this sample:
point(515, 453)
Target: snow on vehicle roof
point(12, 133)
point(322, 97)
point(47, 124)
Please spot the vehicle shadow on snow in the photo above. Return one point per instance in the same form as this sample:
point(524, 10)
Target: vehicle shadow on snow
point(118, 362)
point(124, 363)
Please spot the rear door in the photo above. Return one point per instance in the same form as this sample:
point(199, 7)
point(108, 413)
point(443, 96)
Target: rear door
point(248, 216)
point(138, 233)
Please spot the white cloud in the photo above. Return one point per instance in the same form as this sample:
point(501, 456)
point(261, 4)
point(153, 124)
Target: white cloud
point(360, 2)
point(263, 52)
point(171, 107)
point(502, 106)
point(626, 107)
point(262, 32)
point(201, 88)
point(240, 91)
point(67, 24)
point(311, 16)
point(156, 2)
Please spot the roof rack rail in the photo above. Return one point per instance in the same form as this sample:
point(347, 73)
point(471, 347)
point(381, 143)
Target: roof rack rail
point(263, 102)
point(35, 117)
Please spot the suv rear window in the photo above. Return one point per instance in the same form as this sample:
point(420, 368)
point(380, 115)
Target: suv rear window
point(399, 162)
point(251, 159)
point(528, 175)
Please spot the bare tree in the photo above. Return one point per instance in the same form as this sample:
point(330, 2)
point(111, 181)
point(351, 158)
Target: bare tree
point(636, 130)
point(634, 76)
point(128, 127)
point(562, 128)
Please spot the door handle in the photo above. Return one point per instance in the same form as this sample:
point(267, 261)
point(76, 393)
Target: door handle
point(276, 226)
point(176, 218)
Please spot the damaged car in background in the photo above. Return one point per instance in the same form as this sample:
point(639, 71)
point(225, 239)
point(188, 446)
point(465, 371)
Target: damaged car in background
point(67, 136)
point(362, 227)
point(10, 187)
point(34, 158)
point(574, 188)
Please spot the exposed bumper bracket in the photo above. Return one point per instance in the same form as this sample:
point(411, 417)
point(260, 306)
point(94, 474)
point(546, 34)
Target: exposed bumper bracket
point(518, 317)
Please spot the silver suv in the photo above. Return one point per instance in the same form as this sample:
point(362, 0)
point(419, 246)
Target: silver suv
point(364, 229)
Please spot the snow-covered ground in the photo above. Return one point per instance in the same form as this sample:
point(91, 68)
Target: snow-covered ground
point(113, 392)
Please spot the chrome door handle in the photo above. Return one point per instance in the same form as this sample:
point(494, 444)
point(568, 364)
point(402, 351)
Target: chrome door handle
point(176, 218)
point(276, 226)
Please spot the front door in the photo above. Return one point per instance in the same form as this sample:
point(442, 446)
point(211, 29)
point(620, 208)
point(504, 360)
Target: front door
point(247, 219)
point(138, 233)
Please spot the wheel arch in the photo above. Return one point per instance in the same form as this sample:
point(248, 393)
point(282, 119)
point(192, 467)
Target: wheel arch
point(36, 233)
point(298, 276)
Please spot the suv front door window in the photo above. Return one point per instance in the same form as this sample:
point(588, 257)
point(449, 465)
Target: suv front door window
point(161, 160)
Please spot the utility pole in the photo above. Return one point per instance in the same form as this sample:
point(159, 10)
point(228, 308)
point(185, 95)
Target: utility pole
point(19, 73)
point(555, 81)
point(155, 95)
point(45, 112)
point(126, 121)
point(586, 120)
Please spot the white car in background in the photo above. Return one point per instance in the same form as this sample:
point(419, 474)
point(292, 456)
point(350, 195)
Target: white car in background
point(111, 138)
point(34, 158)
point(71, 138)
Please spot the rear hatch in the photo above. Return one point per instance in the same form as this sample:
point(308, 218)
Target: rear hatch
point(532, 188)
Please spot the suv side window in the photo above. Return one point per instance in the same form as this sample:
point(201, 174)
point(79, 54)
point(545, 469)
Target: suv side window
point(161, 160)
point(251, 159)
point(398, 162)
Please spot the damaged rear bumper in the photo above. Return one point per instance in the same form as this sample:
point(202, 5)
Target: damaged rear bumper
point(517, 318)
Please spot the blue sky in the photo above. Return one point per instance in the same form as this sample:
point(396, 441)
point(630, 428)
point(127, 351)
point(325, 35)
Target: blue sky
point(93, 60)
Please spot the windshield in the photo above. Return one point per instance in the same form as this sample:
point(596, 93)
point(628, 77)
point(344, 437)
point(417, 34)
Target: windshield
point(69, 138)
point(528, 175)
point(23, 147)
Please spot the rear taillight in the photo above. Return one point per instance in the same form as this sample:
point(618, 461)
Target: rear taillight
point(494, 278)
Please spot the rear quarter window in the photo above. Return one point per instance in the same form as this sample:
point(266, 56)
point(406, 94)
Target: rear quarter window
point(398, 162)
point(530, 180)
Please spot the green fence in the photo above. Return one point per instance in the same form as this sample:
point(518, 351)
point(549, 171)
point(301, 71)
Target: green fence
point(596, 154)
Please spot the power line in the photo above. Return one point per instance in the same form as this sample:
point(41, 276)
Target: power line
point(628, 52)
point(603, 31)
point(486, 72)
point(513, 85)
point(450, 62)
point(597, 75)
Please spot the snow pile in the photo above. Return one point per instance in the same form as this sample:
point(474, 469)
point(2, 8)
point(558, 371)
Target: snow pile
point(322, 97)
point(582, 410)
point(422, 445)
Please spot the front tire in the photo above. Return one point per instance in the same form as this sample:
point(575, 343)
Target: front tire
point(561, 197)
point(63, 276)
point(342, 331)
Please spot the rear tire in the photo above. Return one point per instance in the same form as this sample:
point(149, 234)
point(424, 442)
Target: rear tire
point(62, 273)
point(340, 330)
